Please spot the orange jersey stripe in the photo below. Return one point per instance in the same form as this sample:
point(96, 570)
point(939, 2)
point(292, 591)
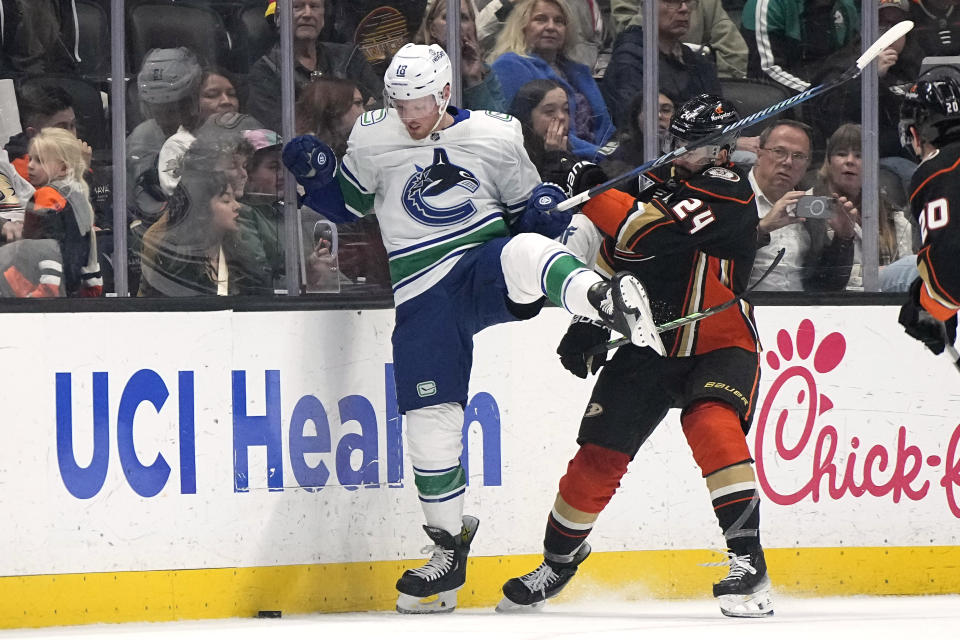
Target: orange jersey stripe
point(720, 197)
point(940, 290)
point(932, 176)
point(725, 504)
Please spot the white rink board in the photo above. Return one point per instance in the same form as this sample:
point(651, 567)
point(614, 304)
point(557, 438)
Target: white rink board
point(879, 385)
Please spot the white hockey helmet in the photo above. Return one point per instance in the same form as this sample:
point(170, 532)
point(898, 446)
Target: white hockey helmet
point(417, 70)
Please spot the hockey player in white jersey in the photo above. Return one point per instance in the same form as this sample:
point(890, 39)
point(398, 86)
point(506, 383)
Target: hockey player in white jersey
point(457, 199)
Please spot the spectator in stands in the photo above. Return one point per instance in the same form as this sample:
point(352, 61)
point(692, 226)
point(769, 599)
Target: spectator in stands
point(789, 39)
point(841, 173)
point(61, 208)
point(813, 261)
point(842, 104)
point(260, 219)
point(536, 43)
point(541, 108)
point(39, 37)
point(41, 105)
point(312, 59)
point(629, 153)
point(217, 94)
point(185, 252)
point(481, 89)
point(936, 32)
point(259, 251)
point(168, 86)
point(710, 26)
point(587, 22)
point(683, 72)
point(328, 108)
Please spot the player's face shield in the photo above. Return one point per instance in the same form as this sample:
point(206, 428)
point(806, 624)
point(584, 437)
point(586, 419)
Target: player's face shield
point(420, 116)
point(697, 158)
point(416, 108)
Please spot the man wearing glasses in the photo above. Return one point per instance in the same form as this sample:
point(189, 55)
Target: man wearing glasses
point(814, 260)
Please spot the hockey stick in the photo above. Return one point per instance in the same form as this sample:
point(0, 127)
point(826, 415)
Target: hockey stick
point(883, 42)
point(693, 317)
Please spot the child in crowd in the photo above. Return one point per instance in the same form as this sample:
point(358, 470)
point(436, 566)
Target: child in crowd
point(60, 208)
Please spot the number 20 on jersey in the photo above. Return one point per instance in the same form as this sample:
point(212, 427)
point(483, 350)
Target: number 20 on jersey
point(936, 215)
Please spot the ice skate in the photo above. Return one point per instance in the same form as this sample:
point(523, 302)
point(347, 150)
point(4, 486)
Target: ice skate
point(433, 587)
point(530, 591)
point(745, 592)
point(623, 306)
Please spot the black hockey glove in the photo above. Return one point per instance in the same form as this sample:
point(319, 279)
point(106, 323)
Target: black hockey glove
point(583, 176)
point(582, 335)
point(919, 324)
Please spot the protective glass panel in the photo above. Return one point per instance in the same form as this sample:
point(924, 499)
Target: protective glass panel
point(55, 182)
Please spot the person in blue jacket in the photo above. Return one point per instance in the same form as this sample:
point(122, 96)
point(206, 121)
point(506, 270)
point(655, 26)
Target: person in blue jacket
point(535, 43)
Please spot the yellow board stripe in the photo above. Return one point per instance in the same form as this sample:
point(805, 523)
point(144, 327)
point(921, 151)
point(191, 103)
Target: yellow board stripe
point(156, 596)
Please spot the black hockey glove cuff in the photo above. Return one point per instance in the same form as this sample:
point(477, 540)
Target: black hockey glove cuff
point(919, 324)
point(584, 176)
point(583, 334)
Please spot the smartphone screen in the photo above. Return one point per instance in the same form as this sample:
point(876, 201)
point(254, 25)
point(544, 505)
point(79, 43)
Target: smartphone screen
point(816, 207)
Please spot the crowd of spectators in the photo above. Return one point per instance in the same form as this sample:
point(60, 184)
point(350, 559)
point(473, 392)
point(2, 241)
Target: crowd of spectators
point(205, 185)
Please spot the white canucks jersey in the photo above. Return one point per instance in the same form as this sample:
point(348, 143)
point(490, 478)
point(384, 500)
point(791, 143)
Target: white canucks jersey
point(438, 197)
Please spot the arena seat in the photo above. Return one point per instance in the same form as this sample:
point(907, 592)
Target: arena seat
point(751, 96)
point(94, 26)
point(166, 24)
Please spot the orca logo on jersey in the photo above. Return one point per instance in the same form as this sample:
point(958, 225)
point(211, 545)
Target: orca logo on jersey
point(432, 183)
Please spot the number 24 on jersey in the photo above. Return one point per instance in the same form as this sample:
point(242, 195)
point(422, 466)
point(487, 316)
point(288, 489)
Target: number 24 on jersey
point(696, 214)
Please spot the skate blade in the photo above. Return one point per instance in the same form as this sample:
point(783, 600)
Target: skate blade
point(643, 333)
point(506, 605)
point(751, 605)
point(444, 602)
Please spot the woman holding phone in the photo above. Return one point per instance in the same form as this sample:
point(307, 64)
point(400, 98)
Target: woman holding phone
point(841, 174)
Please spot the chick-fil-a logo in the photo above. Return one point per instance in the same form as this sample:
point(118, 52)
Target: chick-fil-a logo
point(882, 470)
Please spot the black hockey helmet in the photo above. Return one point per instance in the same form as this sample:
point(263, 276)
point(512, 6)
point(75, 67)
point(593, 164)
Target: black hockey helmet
point(932, 105)
point(701, 116)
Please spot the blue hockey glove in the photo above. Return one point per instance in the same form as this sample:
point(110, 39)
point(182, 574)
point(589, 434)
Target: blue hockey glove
point(311, 161)
point(919, 324)
point(582, 335)
point(536, 219)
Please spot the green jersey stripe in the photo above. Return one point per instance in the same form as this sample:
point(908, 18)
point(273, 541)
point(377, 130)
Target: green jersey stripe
point(409, 264)
point(357, 201)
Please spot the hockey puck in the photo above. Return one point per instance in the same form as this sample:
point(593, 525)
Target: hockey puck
point(269, 614)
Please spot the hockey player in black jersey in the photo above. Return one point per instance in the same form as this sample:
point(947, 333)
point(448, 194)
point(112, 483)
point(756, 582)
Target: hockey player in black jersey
point(930, 127)
point(690, 238)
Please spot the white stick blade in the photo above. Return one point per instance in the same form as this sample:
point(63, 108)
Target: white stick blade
point(896, 32)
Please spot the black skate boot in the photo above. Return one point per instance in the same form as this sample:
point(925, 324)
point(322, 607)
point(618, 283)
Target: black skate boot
point(530, 591)
point(444, 573)
point(622, 305)
point(745, 592)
